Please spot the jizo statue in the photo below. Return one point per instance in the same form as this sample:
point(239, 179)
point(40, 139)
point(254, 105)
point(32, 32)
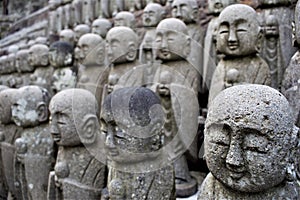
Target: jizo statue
point(80, 30)
point(74, 127)
point(101, 26)
point(125, 18)
point(250, 145)
point(238, 25)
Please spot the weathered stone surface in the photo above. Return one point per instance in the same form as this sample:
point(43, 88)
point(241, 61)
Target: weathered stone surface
point(101, 26)
point(250, 145)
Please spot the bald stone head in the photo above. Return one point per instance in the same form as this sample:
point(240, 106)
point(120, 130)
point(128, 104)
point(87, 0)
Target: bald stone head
point(124, 18)
point(101, 27)
point(38, 55)
point(80, 30)
point(74, 117)
point(122, 43)
point(7, 99)
point(31, 106)
point(185, 10)
point(238, 31)
point(67, 35)
point(172, 41)
point(153, 14)
point(250, 137)
point(22, 64)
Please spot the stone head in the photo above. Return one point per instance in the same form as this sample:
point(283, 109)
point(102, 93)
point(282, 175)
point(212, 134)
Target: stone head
point(41, 40)
point(215, 7)
point(185, 10)
point(153, 14)
point(122, 45)
point(132, 119)
point(80, 30)
point(297, 22)
point(74, 117)
point(90, 49)
point(101, 27)
point(238, 31)
point(250, 138)
point(61, 54)
point(67, 35)
point(124, 18)
point(3, 64)
point(11, 61)
point(7, 98)
point(38, 55)
point(31, 106)
point(22, 64)
point(272, 26)
point(12, 49)
point(172, 41)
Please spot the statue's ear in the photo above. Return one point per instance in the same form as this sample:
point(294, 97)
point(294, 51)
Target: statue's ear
point(100, 55)
point(187, 47)
point(68, 59)
point(90, 128)
point(131, 54)
point(42, 111)
point(195, 14)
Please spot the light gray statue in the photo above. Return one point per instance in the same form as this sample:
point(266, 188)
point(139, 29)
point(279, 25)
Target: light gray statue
point(74, 127)
point(38, 58)
point(77, 9)
point(67, 35)
point(238, 25)
point(109, 8)
point(101, 26)
point(89, 11)
point(250, 145)
point(125, 18)
point(132, 121)
point(61, 59)
point(34, 149)
point(9, 133)
point(23, 68)
point(80, 30)
point(92, 74)
point(3, 65)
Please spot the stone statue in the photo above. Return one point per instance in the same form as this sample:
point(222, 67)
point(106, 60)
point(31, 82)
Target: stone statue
point(109, 8)
point(132, 120)
point(75, 127)
point(282, 12)
point(9, 133)
point(101, 26)
point(132, 5)
point(122, 45)
point(250, 145)
point(77, 9)
point(125, 18)
point(38, 58)
point(238, 26)
point(80, 30)
point(92, 73)
point(3, 65)
point(69, 16)
point(187, 11)
point(23, 68)
point(153, 14)
point(34, 149)
point(290, 83)
point(11, 71)
point(61, 59)
point(89, 11)
point(67, 35)
point(172, 45)
point(210, 58)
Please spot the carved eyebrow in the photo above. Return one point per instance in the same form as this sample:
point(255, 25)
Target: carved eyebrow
point(240, 21)
point(224, 126)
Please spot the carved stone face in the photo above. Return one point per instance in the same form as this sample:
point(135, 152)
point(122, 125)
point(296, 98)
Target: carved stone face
point(248, 137)
point(131, 124)
point(67, 35)
point(60, 54)
point(216, 6)
point(38, 55)
point(121, 45)
point(153, 14)
point(6, 101)
point(124, 19)
point(80, 30)
point(185, 10)
point(171, 40)
point(238, 31)
point(91, 49)
point(22, 64)
point(101, 27)
point(272, 27)
point(30, 108)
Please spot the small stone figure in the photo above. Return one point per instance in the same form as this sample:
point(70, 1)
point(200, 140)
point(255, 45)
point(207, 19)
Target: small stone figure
point(210, 58)
point(187, 11)
point(75, 127)
point(77, 9)
point(61, 59)
point(38, 58)
point(122, 45)
point(153, 14)
point(101, 27)
point(80, 30)
point(34, 149)
point(132, 120)
point(109, 8)
point(92, 73)
point(125, 18)
point(89, 11)
point(238, 35)
point(250, 146)
point(67, 35)
point(9, 133)
point(23, 67)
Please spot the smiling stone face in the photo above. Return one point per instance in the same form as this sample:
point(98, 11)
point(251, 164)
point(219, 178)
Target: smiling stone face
point(248, 137)
point(238, 31)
